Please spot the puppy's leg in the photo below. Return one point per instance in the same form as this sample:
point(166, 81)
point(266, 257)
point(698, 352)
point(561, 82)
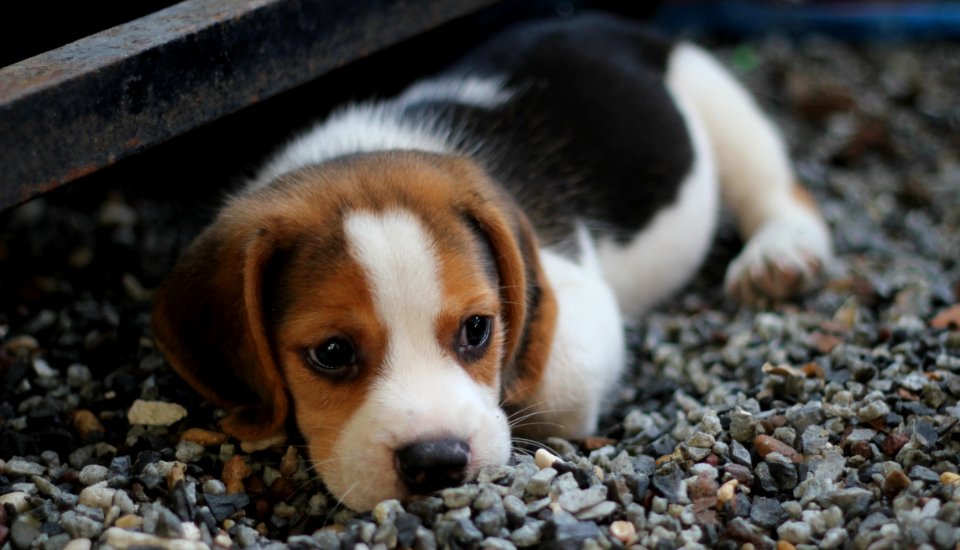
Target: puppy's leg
point(787, 240)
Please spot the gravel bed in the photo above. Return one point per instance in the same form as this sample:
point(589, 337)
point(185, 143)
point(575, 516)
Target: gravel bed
point(831, 422)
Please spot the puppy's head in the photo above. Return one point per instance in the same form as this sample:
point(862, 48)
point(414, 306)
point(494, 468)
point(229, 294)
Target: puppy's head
point(392, 302)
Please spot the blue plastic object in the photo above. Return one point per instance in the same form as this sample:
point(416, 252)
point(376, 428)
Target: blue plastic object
point(848, 20)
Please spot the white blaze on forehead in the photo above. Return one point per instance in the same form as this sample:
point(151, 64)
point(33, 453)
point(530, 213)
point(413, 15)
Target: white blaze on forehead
point(421, 391)
point(401, 266)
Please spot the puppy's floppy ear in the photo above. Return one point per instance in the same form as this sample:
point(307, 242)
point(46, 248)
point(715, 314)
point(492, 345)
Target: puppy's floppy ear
point(208, 320)
point(526, 365)
point(529, 307)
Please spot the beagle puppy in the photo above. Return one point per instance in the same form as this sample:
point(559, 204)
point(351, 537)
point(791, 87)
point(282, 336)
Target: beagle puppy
point(408, 273)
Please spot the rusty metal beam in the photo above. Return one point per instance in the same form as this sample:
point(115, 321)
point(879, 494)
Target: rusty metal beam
point(71, 111)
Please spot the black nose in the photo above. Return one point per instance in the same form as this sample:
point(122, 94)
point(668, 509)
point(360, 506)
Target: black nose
point(425, 466)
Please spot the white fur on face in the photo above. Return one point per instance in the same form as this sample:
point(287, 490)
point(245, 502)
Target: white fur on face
point(421, 391)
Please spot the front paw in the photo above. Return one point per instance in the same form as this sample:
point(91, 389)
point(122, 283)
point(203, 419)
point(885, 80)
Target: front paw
point(782, 260)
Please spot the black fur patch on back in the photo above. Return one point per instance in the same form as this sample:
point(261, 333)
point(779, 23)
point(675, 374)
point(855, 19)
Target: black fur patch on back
point(591, 132)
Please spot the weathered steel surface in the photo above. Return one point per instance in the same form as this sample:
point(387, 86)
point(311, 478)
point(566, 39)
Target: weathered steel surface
point(71, 111)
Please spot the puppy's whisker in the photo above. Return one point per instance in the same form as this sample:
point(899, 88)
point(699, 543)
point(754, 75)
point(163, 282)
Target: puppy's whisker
point(315, 465)
point(519, 421)
point(534, 443)
point(520, 411)
point(301, 488)
point(521, 451)
point(340, 505)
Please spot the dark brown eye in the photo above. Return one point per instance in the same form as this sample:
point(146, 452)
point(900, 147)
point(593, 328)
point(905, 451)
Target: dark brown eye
point(474, 337)
point(333, 356)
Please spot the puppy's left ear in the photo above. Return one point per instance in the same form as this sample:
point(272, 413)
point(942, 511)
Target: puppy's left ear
point(525, 366)
point(208, 320)
point(529, 309)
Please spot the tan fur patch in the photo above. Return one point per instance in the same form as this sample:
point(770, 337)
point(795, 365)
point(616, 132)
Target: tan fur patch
point(338, 306)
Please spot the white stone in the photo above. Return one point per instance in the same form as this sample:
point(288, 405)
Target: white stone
point(155, 413)
point(796, 532)
point(18, 499)
point(98, 496)
point(78, 544)
point(121, 539)
point(92, 474)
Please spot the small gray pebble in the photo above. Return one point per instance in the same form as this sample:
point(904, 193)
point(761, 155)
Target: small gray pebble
point(623, 465)
point(923, 474)
point(577, 500)
point(786, 434)
point(743, 425)
point(860, 434)
point(796, 532)
point(123, 501)
point(539, 483)
point(487, 498)
point(246, 536)
point(387, 510)
point(50, 458)
point(740, 454)
point(168, 524)
point(214, 487)
point(945, 535)
point(304, 542)
point(93, 474)
point(458, 513)
point(57, 542)
point(833, 538)
point(793, 509)
point(814, 438)
point(803, 416)
point(528, 535)
point(78, 375)
point(80, 525)
point(721, 449)
point(81, 456)
point(853, 500)
point(466, 532)
point(494, 474)
point(766, 512)
point(491, 520)
point(495, 543)
point(385, 534)
point(598, 511)
point(701, 440)
point(459, 497)
point(566, 483)
point(697, 454)
point(46, 487)
point(873, 410)
point(327, 538)
point(23, 534)
point(19, 467)
point(516, 510)
point(645, 465)
point(188, 451)
point(426, 540)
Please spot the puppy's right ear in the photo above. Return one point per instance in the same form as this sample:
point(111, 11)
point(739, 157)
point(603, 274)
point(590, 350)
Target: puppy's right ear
point(208, 320)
